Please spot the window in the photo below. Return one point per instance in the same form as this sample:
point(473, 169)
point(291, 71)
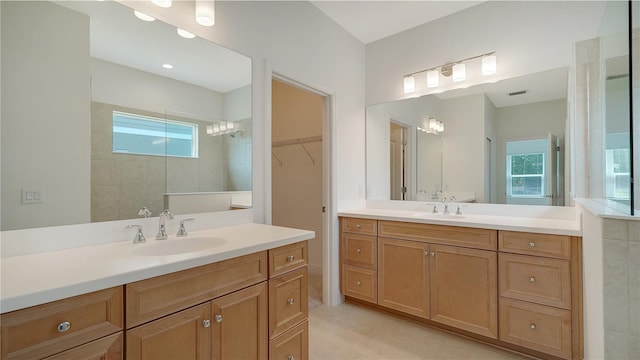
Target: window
point(618, 173)
point(525, 175)
point(144, 135)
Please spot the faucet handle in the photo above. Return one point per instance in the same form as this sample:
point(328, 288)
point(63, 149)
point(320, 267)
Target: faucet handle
point(139, 237)
point(167, 213)
point(182, 231)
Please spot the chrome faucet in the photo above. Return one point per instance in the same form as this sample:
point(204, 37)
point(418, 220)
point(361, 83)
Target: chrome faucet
point(446, 206)
point(182, 231)
point(162, 232)
point(144, 211)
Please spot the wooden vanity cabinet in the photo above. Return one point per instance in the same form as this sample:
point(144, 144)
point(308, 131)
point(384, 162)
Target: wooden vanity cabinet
point(61, 327)
point(514, 289)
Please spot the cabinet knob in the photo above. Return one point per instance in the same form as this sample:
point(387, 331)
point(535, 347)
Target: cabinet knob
point(532, 326)
point(358, 250)
point(290, 258)
point(291, 357)
point(532, 244)
point(206, 323)
point(432, 253)
point(425, 252)
point(358, 226)
point(290, 301)
point(218, 318)
point(532, 279)
point(358, 283)
point(64, 326)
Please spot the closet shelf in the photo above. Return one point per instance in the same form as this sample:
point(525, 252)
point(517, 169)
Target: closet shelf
point(296, 141)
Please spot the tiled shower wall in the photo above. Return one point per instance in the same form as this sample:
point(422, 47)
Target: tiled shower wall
point(621, 273)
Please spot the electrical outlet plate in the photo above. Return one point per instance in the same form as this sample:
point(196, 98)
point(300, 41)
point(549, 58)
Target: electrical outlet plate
point(32, 196)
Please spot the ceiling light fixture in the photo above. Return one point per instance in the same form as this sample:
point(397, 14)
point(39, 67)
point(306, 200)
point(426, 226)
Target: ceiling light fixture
point(162, 3)
point(167, 66)
point(142, 16)
point(185, 34)
point(205, 12)
point(456, 70)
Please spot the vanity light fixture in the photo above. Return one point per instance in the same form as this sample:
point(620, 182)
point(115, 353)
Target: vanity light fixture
point(162, 3)
point(142, 16)
point(205, 12)
point(409, 84)
point(456, 70)
point(222, 128)
point(185, 34)
point(431, 126)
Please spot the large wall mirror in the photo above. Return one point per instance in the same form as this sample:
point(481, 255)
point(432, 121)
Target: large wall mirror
point(501, 142)
point(107, 117)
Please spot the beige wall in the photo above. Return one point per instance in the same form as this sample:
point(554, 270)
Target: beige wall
point(297, 184)
point(58, 41)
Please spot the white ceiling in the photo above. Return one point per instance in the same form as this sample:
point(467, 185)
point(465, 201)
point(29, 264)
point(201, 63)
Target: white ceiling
point(373, 20)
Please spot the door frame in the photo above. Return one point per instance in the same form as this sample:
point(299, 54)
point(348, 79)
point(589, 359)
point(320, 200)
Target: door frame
point(330, 255)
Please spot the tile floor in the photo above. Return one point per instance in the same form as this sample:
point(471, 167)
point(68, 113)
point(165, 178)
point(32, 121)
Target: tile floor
point(351, 332)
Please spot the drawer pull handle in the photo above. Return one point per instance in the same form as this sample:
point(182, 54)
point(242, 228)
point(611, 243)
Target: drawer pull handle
point(291, 357)
point(206, 323)
point(358, 283)
point(218, 318)
point(532, 279)
point(290, 258)
point(358, 250)
point(532, 244)
point(532, 326)
point(64, 326)
point(290, 301)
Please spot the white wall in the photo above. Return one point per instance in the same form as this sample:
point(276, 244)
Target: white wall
point(522, 122)
point(237, 104)
point(62, 170)
point(463, 144)
point(528, 37)
point(490, 132)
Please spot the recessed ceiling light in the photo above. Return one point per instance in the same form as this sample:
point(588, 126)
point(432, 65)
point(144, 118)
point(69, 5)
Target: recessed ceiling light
point(162, 3)
point(142, 16)
point(185, 34)
point(167, 66)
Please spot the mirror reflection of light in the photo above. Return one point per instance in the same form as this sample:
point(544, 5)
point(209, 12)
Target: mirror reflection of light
point(142, 16)
point(185, 34)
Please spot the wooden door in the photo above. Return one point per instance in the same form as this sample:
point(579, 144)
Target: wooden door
point(184, 335)
point(240, 324)
point(403, 276)
point(464, 289)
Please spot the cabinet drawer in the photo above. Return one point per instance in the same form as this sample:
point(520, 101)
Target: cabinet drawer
point(38, 331)
point(288, 301)
point(360, 226)
point(287, 258)
point(360, 283)
point(440, 234)
point(360, 250)
point(152, 298)
point(293, 344)
point(537, 327)
point(536, 279)
point(107, 348)
point(555, 246)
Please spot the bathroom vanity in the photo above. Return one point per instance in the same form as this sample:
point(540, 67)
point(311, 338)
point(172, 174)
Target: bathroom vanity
point(245, 297)
point(515, 286)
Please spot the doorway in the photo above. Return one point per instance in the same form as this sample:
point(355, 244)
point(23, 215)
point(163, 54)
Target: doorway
point(297, 171)
point(398, 161)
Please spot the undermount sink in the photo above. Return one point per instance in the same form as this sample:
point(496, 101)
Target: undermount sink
point(427, 215)
point(178, 246)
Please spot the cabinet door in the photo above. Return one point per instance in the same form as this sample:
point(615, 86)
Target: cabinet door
point(464, 289)
point(240, 324)
point(184, 335)
point(107, 348)
point(403, 276)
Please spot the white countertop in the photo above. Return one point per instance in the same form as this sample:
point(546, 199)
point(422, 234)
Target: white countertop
point(35, 279)
point(513, 223)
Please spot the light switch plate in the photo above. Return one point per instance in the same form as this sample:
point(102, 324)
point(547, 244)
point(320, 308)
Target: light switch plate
point(32, 196)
